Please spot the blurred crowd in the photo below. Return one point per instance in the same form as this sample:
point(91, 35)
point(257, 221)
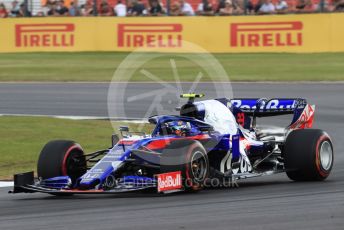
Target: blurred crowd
point(123, 8)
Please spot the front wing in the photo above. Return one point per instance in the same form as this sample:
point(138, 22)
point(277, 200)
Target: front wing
point(25, 183)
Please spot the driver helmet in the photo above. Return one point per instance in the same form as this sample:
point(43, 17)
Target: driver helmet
point(179, 128)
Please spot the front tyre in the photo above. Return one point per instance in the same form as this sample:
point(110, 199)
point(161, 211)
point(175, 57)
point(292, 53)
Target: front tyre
point(61, 158)
point(308, 155)
point(189, 157)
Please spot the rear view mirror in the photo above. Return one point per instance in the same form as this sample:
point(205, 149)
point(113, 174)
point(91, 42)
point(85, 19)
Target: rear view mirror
point(124, 131)
point(124, 128)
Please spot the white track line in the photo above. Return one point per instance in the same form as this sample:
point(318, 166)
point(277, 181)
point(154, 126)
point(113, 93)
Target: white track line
point(126, 120)
point(6, 184)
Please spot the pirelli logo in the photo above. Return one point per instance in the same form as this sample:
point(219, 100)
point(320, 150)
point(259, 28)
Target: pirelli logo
point(149, 35)
point(44, 35)
point(266, 34)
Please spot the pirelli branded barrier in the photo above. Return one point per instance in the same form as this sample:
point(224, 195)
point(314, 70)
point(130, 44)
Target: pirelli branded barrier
point(282, 33)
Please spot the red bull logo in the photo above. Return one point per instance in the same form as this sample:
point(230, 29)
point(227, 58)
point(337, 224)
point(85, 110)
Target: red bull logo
point(169, 181)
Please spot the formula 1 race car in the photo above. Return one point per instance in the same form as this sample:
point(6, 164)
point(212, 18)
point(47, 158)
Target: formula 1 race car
point(211, 143)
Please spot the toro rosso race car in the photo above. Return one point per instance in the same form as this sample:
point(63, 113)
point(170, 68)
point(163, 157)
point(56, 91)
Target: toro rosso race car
point(211, 143)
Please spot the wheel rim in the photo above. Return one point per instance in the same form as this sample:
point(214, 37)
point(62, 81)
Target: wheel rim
point(326, 155)
point(198, 166)
point(76, 165)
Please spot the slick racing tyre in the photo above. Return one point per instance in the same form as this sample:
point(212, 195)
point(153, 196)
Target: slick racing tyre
point(308, 155)
point(189, 157)
point(61, 158)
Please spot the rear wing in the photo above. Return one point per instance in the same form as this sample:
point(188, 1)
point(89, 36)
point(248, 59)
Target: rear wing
point(262, 107)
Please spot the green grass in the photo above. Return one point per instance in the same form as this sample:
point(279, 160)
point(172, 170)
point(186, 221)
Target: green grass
point(100, 66)
point(22, 138)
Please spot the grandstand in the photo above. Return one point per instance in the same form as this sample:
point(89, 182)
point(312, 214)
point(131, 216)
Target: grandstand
point(35, 6)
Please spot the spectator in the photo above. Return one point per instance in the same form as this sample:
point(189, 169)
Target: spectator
point(87, 8)
point(105, 9)
point(155, 8)
point(23, 11)
point(220, 5)
point(3, 11)
point(267, 7)
point(186, 9)
point(257, 6)
point(46, 8)
point(138, 8)
point(52, 10)
point(120, 9)
point(238, 5)
point(304, 6)
point(14, 12)
point(61, 9)
point(130, 7)
point(228, 9)
point(162, 6)
point(338, 6)
point(205, 8)
point(175, 9)
point(58, 9)
point(249, 7)
point(281, 7)
point(322, 6)
point(74, 9)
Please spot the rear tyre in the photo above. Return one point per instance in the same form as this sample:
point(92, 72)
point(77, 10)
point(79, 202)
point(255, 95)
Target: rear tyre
point(189, 157)
point(308, 155)
point(61, 158)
